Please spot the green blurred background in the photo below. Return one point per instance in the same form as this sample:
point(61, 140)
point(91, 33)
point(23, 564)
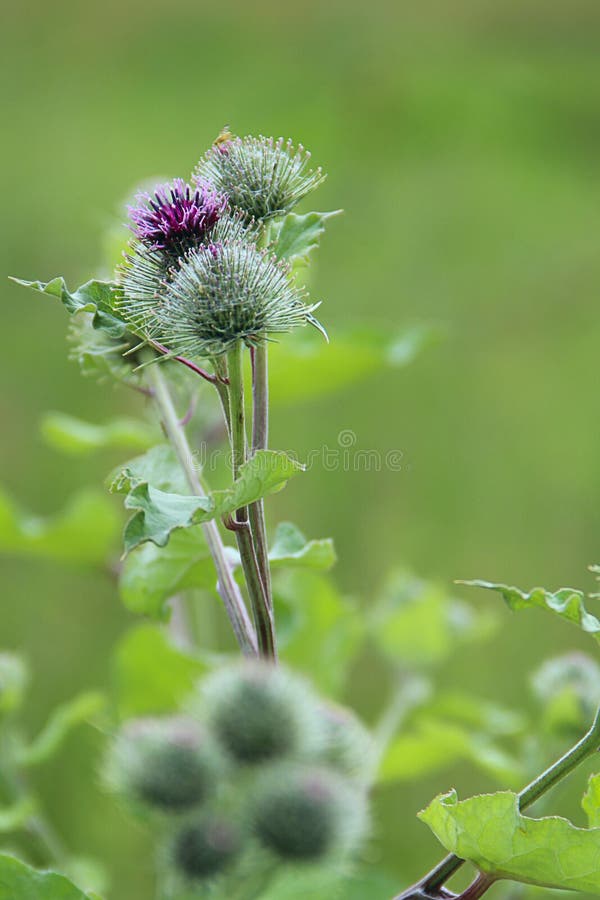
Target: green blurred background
point(463, 142)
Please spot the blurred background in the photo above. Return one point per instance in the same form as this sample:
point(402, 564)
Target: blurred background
point(462, 141)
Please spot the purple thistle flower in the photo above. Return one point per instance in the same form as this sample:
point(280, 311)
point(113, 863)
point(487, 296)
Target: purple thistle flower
point(177, 217)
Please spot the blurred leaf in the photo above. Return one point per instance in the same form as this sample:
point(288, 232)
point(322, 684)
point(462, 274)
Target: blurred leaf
point(20, 882)
point(16, 816)
point(151, 574)
point(291, 549)
point(83, 532)
point(434, 745)
point(76, 437)
point(150, 675)
point(568, 687)
point(61, 722)
point(322, 632)
point(591, 801)
point(304, 366)
point(478, 713)
point(89, 873)
point(296, 235)
point(417, 623)
point(328, 884)
point(14, 679)
point(158, 513)
point(100, 355)
point(95, 297)
point(566, 603)
point(490, 831)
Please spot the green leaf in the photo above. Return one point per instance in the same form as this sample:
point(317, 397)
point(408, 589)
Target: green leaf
point(304, 366)
point(320, 631)
point(20, 882)
point(95, 297)
point(568, 687)
point(159, 467)
point(151, 574)
point(83, 532)
point(76, 437)
point(591, 801)
point(417, 623)
point(14, 679)
point(150, 675)
point(158, 513)
point(63, 720)
point(14, 817)
point(490, 831)
point(291, 549)
point(566, 603)
point(295, 236)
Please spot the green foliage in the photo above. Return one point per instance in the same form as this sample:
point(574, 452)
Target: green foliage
point(291, 549)
point(566, 603)
point(158, 513)
point(14, 679)
point(294, 236)
point(591, 801)
point(20, 882)
point(95, 297)
point(150, 675)
point(61, 722)
point(490, 831)
point(75, 437)
point(84, 532)
point(327, 883)
point(16, 816)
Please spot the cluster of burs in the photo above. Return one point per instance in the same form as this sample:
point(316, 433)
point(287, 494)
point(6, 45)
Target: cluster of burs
point(258, 772)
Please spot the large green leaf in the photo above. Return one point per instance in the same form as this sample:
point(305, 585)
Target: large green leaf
point(83, 532)
point(296, 235)
point(566, 603)
point(150, 675)
point(152, 574)
point(95, 297)
point(20, 882)
point(417, 623)
point(158, 513)
point(291, 549)
point(490, 831)
point(61, 722)
point(305, 366)
point(76, 437)
point(433, 745)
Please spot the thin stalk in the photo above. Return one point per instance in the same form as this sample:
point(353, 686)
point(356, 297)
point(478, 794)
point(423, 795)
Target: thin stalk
point(586, 747)
point(263, 618)
point(477, 888)
point(227, 586)
point(260, 441)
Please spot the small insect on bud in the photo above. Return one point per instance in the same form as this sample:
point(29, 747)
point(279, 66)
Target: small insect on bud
point(348, 746)
point(260, 713)
point(166, 764)
point(307, 814)
point(261, 176)
point(204, 847)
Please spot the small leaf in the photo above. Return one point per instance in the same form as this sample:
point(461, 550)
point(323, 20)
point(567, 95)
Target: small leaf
point(62, 721)
point(291, 549)
point(434, 745)
point(158, 513)
point(20, 882)
point(566, 603)
point(151, 575)
point(158, 466)
point(83, 532)
point(76, 437)
point(14, 817)
point(95, 297)
point(490, 831)
point(296, 235)
point(591, 801)
point(150, 676)
point(14, 679)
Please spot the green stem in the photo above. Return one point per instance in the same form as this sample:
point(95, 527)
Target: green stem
point(563, 767)
point(263, 618)
point(227, 586)
point(260, 441)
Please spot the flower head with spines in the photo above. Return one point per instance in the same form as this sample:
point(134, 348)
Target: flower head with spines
point(225, 293)
point(262, 176)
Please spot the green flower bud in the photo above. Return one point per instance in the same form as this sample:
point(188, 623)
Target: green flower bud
point(348, 745)
point(165, 764)
point(307, 814)
point(260, 713)
point(204, 847)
